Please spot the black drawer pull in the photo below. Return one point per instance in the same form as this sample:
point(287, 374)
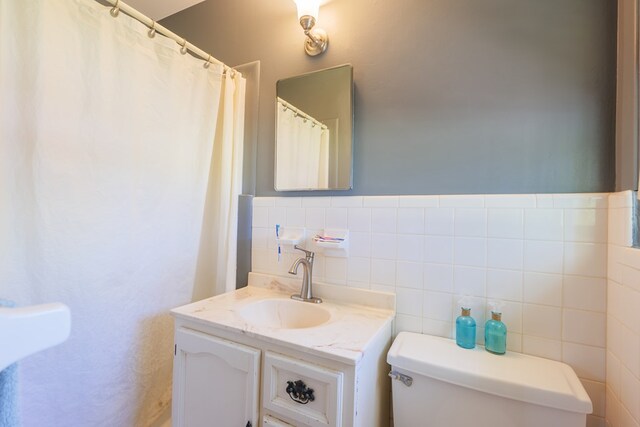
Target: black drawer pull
point(299, 392)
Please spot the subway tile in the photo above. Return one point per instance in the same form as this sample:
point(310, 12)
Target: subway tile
point(439, 221)
point(383, 220)
point(259, 238)
point(410, 221)
point(584, 327)
point(613, 409)
point(335, 270)
point(380, 202)
point(631, 277)
point(277, 215)
point(626, 419)
point(543, 256)
point(462, 201)
point(542, 347)
point(595, 421)
point(418, 201)
point(585, 293)
point(359, 285)
point(295, 217)
point(438, 277)
point(359, 244)
point(585, 225)
point(504, 285)
point(469, 281)
point(620, 227)
point(409, 301)
point(543, 288)
point(316, 202)
point(336, 218)
point(623, 199)
point(514, 342)
point(383, 272)
point(505, 223)
point(613, 369)
point(264, 201)
point(581, 200)
point(383, 246)
point(585, 259)
point(471, 251)
point(630, 392)
point(438, 306)
point(543, 224)
point(409, 275)
point(544, 201)
point(359, 269)
point(510, 201)
point(315, 218)
point(405, 323)
point(438, 249)
point(542, 321)
point(383, 288)
point(437, 328)
point(359, 219)
point(347, 202)
point(470, 222)
point(505, 253)
point(260, 216)
point(288, 202)
point(410, 247)
point(588, 362)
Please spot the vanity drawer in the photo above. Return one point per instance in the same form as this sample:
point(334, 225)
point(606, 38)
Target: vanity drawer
point(286, 390)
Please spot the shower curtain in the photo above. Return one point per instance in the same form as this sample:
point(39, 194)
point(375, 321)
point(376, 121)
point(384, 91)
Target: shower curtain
point(120, 168)
point(302, 152)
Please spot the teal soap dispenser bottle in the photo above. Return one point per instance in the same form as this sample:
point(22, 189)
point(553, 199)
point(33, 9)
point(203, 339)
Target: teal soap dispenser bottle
point(466, 328)
point(495, 332)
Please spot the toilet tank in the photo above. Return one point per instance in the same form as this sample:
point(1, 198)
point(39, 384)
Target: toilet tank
point(438, 384)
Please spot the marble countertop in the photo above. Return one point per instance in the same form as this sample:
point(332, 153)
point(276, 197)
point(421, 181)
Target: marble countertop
point(357, 316)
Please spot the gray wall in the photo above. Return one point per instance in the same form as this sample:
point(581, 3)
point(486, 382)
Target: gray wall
point(452, 96)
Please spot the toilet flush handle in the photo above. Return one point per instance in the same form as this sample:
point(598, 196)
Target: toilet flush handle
point(406, 379)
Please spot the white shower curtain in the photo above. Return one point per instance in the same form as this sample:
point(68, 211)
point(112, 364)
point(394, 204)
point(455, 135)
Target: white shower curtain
point(302, 151)
point(107, 140)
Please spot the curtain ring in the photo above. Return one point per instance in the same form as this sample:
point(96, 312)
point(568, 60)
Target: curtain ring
point(207, 62)
point(115, 10)
point(152, 30)
point(183, 47)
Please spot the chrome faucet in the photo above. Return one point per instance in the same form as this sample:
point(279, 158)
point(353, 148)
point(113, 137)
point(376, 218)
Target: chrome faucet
point(306, 292)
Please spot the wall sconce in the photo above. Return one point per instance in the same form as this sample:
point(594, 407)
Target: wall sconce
point(317, 39)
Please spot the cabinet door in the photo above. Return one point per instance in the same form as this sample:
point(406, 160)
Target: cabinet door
point(215, 382)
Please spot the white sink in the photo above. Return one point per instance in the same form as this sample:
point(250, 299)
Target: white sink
point(27, 330)
point(284, 314)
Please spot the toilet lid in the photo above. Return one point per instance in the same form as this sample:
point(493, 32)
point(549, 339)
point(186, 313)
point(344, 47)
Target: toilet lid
point(513, 375)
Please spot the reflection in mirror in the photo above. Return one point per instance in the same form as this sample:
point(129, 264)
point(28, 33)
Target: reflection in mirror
point(314, 131)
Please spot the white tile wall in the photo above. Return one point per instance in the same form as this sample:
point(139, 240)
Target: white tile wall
point(543, 256)
point(623, 315)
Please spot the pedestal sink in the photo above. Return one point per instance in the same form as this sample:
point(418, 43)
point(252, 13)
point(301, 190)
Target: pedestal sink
point(284, 314)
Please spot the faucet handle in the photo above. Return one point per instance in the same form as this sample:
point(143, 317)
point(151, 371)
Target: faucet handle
point(308, 254)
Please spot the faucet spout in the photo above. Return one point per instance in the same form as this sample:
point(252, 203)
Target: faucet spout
point(306, 291)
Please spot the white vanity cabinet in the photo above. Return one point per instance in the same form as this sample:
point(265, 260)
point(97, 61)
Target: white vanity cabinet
point(215, 381)
point(227, 379)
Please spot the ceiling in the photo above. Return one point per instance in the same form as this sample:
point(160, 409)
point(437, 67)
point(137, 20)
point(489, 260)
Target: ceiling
point(158, 9)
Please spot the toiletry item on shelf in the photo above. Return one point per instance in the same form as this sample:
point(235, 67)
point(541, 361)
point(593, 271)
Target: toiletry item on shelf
point(327, 239)
point(466, 329)
point(495, 332)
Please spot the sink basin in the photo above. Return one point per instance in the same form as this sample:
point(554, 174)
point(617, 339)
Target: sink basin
point(284, 314)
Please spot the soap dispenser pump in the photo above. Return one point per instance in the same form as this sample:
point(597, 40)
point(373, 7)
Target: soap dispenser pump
point(465, 328)
point(495, 332)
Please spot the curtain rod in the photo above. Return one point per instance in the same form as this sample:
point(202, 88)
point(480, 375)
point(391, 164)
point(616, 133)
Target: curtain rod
point(302, 113)
point(154, 27)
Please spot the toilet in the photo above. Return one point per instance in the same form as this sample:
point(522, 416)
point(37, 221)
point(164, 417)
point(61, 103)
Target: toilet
point(435, 383)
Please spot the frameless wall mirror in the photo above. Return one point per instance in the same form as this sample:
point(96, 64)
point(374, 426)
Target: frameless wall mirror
point(314, 131)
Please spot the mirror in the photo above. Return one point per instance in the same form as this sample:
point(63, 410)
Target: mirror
point(314, 131)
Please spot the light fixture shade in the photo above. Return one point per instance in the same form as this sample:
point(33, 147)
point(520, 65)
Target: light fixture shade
point(308, 7)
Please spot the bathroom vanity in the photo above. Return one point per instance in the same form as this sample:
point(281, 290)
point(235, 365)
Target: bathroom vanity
point(255, 357)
